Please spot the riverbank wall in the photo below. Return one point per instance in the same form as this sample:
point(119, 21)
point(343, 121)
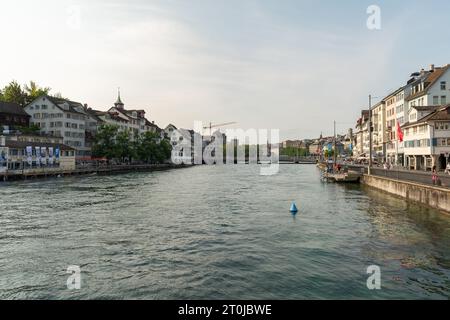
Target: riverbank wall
point(434, 197)
point(101, 170)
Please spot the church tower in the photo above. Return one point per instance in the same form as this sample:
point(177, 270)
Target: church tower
point(119, 104)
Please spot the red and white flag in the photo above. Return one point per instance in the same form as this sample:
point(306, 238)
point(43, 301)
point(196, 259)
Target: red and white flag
point(399, 132)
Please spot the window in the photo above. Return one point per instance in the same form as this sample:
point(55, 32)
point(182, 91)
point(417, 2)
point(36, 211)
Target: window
point(435, 100)
point(444, 100)
point(443, 85)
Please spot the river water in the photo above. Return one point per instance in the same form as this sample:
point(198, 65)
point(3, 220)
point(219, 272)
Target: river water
point(217, 233)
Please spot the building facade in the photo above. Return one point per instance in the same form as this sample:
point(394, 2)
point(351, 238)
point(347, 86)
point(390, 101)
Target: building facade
point(427, 140)
point(35, 154)
point(61, 118)
point(12, 117)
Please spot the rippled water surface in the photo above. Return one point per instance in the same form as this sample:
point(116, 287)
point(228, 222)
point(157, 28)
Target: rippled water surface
point(217, 232)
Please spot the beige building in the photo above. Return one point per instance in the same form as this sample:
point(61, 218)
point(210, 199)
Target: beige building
point(392, 146)
point(379, 129)
point(292, 144)
point(35, 154)
point(361, 136)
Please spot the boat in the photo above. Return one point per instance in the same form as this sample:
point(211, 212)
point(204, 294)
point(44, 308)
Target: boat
point(344, 177)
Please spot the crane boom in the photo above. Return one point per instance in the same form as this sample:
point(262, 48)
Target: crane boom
point(211, 126)
point(219, 125)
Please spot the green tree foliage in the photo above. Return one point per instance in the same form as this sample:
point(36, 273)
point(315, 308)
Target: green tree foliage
point(294, 152)
point(33, 91)
point(15, 93)
point(32, 129)
point(124, 148)
point(114, 144)
point(147, 147)
point(105, 144)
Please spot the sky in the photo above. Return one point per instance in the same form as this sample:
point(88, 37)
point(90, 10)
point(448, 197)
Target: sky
point(293, 65)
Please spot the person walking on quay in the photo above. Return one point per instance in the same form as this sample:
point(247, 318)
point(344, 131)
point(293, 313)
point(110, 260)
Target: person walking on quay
point(434, 176)
point(447, 169)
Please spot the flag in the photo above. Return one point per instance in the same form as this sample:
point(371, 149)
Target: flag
point(399, 132)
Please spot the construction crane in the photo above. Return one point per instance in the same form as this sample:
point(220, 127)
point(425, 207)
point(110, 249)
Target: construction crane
point(211, 126)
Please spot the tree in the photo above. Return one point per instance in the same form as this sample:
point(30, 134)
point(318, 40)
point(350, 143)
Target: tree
point(13, 93)
point(147, 148)
point(32, 129)
point(124, 147)
point(165, 151)
point(33, 91)
point(105, 144)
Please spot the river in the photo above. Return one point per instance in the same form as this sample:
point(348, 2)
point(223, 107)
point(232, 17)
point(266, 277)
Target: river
point(217, 232)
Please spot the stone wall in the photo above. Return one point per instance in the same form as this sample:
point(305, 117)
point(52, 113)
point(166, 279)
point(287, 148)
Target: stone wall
point(435, 197)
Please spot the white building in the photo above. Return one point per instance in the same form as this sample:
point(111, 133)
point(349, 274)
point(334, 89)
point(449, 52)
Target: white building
point(362, 135)
point(379, 129)
point(427, 139)
point(60, 118)
point(401, 115)
point(133, 121)
point(187, 145)
point(432, 88)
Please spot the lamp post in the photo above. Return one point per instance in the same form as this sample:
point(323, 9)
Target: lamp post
point(370, 135)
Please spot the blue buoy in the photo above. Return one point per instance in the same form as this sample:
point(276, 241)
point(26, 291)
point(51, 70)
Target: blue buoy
point(294, 208)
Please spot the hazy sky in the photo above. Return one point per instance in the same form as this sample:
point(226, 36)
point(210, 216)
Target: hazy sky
point(295, 65)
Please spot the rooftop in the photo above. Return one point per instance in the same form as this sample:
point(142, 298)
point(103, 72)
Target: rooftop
point(12, 108)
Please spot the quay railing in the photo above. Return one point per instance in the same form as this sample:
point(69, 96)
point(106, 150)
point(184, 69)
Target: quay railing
point(422, 177)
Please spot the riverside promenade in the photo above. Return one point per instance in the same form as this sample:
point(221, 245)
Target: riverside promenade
point(415, 186)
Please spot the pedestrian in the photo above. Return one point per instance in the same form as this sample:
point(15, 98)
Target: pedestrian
point(434, 176)
point(447, 169)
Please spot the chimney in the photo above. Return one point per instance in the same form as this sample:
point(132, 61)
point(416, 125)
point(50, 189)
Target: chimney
point(422, 72)
point(432, 68)
point(2, 141)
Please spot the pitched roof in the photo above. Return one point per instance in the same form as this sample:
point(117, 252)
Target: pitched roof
point(426, 108)
point(72, 104)
point(12, 108)
point(441, 113)
point(95, 114)
point(430, 79)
